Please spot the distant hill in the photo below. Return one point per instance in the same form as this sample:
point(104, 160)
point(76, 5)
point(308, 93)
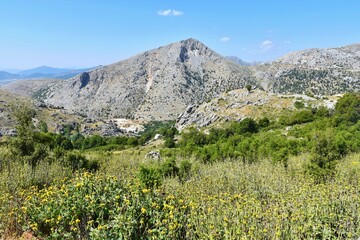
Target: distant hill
point(5, 75)
point(44, 70)
point(41, 72)
point(241, 62)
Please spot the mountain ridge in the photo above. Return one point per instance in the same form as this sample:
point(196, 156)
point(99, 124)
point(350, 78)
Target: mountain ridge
point(160, 83)
point(167, 78)
point(40, 73)
point(315, 71)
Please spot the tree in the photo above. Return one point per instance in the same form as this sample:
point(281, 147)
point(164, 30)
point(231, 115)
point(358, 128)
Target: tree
point(27, 147)
point(43, 126)
point(169, 143)
point(248, 87)
point(324, 156)
point(347, 108)
point(246, 125)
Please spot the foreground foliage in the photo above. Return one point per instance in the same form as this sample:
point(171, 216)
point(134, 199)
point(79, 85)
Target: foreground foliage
point(228, 200)
point(292, 178)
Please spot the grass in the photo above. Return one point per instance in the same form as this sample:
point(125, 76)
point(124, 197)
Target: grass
point(225, 200)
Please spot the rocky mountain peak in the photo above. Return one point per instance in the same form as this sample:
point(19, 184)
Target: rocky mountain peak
point(155, 85)
point(159, 84)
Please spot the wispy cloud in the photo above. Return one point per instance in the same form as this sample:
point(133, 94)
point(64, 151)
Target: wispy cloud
point(170, 12)
point(224, 39)
point(266, 45)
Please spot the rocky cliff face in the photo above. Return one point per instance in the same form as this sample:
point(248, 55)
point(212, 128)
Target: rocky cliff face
point(316, 71)
point(154, 85)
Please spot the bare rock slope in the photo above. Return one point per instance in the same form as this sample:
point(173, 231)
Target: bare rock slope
point(239, 104)
point(154, 85)
point(316, 71)
point(29, 86)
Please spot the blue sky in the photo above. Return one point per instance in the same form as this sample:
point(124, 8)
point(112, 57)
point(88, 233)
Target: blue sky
point(84, 33)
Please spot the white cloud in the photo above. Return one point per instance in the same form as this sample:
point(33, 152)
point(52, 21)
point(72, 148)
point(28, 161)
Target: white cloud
point(266, 45)
point(177, 13)
point(170, 12)
point(224, 39)
point(287, 42)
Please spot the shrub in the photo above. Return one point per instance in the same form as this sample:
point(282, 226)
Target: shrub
point(324, 156)
point(264, 122)
point(150, 176)
point(301, 117)
point(185, 170)
point(169, 168)
point(281, 156)
point(298, 104)
point(347, 108)
point(169, 142)
point(66, 144)
point(77, 161)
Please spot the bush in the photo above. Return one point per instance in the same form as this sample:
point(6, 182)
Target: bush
point(169, 168)
point(246, 125)
point(77, 161)
point(185, 170)
point(66, 144)
point(324, 156)
point(150, 176)
point(169, 143)
point(264, 122)
point(281, 156)
point(299, 104)
point(301, 117)
point(347, 108)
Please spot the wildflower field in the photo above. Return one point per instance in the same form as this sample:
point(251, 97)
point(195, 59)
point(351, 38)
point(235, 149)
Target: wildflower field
point(226, 200)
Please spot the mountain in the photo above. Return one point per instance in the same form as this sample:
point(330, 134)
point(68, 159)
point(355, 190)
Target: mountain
point(50, 72)
point(154, 85)
point(241, 62)
point(316, 71)
point(44, 70)
point(28, 87)
point(6, 75)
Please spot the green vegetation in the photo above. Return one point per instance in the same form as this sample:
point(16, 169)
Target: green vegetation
point(295, 177)
point(299, 104)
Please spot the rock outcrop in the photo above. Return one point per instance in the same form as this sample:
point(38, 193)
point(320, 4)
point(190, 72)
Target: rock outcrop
point(239, 104)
